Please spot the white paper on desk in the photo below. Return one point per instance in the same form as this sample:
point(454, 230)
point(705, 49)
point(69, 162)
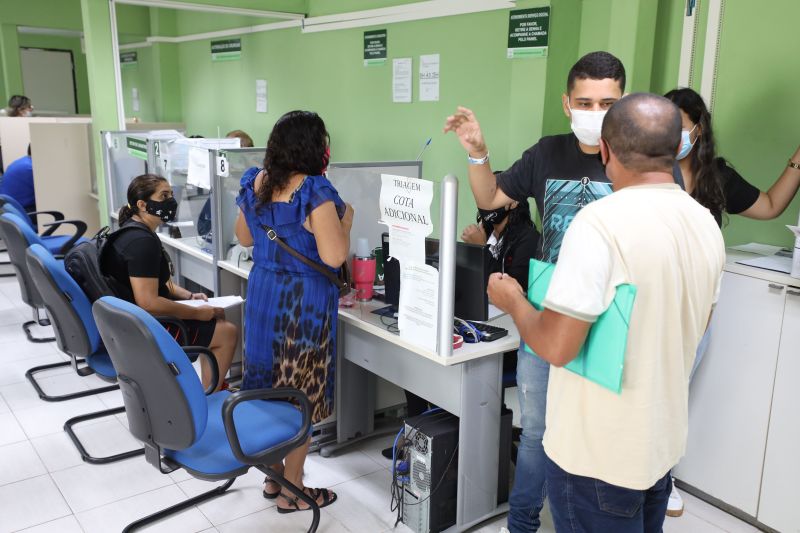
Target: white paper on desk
point(418, 309)
point(405, 206)
point(429, 78)
point(401, 80)
point(220, 301)
point(795, 272)
point(771, 262)
point(757, 248)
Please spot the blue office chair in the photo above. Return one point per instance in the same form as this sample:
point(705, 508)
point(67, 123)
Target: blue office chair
point(56, 244)
point(17, 236)
point(214, 437)
point(70, 313)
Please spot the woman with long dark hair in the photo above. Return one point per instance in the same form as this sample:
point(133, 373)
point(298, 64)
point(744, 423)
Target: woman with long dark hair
point(142, 270)
point(292, 308)
point(712, 181)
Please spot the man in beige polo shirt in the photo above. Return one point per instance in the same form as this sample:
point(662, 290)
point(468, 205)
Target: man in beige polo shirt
point(609, 455)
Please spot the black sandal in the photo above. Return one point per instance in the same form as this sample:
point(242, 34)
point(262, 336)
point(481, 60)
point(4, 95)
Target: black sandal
point(271, 495)
point(328, 497)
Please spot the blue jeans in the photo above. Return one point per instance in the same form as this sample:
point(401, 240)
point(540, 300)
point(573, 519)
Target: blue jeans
point(586, 505)
point(528, 494)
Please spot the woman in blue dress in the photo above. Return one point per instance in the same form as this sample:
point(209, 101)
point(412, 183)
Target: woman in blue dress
point(291, 310)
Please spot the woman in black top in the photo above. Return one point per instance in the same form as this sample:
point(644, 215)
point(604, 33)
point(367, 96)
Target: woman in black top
point(510, 236)
point(142, 270)
point(712, 181)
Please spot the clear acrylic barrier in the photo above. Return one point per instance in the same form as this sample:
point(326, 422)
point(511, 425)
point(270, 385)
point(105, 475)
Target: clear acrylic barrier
point(226, 189)
point(128, 154)
point(359, 184)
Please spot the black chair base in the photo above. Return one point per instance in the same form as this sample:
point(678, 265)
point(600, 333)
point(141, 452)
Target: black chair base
point(218, 491)
point(26, 327)
point(31, 376)
point(200, 498)
point(86, 456)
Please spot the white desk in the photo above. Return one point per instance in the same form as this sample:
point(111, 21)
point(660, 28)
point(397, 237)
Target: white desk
point(467, 384)
point(189, 260)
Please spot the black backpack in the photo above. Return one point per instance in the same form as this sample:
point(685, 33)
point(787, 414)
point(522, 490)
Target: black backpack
point(83, 261)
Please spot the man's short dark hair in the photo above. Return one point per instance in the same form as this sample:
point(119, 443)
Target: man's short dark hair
point(597, 66)
point(644, 131)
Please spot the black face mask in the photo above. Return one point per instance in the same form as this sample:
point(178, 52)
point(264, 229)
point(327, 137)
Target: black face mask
point(490, 218)
point(165, 210)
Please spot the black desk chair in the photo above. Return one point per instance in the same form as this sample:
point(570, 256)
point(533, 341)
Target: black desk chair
point(214, 437)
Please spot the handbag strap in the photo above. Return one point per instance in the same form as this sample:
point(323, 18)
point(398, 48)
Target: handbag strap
point(325, 271)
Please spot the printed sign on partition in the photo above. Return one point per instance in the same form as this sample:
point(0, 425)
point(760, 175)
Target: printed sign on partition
point(405, 205)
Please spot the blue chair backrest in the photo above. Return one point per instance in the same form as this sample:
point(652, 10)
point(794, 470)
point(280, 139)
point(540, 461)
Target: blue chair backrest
point(7, 202)
point(163, 396)
point(67, 306)
point(24, 224)
point(18, 237)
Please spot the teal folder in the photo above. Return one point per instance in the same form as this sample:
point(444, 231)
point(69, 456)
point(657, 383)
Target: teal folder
point(602, 357)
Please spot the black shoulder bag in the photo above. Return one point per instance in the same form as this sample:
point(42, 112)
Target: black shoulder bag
point(342, 281)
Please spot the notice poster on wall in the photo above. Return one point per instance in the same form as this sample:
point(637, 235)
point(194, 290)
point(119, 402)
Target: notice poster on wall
point(226, 50)
point(128, 59)
point(429, 78)
point(261, 96)
point(528, 32)
point(401, 80)
point(375, 48)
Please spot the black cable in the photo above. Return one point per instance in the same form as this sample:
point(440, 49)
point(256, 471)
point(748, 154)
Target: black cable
point(391, 327)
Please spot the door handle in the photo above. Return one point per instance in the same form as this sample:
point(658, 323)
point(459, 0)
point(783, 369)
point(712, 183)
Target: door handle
point(793, 293)
point(776, 286)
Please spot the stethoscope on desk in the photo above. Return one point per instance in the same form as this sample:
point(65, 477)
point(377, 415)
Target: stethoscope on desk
point(467, 331)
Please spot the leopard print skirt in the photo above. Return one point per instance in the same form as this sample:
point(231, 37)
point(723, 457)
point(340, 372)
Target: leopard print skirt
point(290, 336)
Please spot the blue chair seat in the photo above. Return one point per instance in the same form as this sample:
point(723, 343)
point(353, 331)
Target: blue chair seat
point(53, 243)
point(259, 424)
point(100, 362)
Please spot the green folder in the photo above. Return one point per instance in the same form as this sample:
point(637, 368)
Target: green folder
point(602, 357)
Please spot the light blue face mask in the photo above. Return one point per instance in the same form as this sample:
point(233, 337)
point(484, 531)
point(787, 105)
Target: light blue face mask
point(686, 144)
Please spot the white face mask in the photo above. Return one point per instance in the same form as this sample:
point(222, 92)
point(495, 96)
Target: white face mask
point(586, 125)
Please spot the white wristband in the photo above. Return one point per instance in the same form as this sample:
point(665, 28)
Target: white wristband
point(479, 161)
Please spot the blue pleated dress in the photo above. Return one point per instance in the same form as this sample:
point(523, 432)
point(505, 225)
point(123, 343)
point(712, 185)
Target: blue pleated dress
point(291, 309)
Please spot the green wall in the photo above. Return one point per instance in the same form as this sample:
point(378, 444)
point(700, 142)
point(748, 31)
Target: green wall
point(324, 72)
point(140, 76)
point(755, 115)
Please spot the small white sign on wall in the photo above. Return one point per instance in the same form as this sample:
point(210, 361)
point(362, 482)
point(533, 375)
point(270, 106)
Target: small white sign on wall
point(429, 78)
point(261, 96)
point(135, 99)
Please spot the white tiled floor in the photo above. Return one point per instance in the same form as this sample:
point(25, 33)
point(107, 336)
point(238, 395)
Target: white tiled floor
point(45, 488)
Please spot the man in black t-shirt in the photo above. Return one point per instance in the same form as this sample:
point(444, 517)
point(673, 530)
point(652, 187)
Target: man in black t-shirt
point(594, 83)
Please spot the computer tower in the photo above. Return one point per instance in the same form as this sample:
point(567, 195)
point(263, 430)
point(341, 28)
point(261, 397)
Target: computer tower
point(429, 498)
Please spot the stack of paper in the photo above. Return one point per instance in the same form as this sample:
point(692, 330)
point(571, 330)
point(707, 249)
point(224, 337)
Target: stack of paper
point(220, 301)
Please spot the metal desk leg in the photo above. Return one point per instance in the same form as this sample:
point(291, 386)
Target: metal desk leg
point(479, 441)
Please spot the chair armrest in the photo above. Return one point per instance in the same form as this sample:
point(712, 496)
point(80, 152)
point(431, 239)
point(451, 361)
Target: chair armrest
point(183, 338)
point(80, 229)
point(57, 215)
point(193, 352)
point(236, 398)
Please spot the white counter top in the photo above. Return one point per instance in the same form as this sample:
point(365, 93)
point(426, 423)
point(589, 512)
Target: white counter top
point(767, 275)
point(187, 245)
point(362, 317)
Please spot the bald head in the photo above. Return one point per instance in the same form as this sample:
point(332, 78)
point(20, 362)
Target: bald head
point(643, 131)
